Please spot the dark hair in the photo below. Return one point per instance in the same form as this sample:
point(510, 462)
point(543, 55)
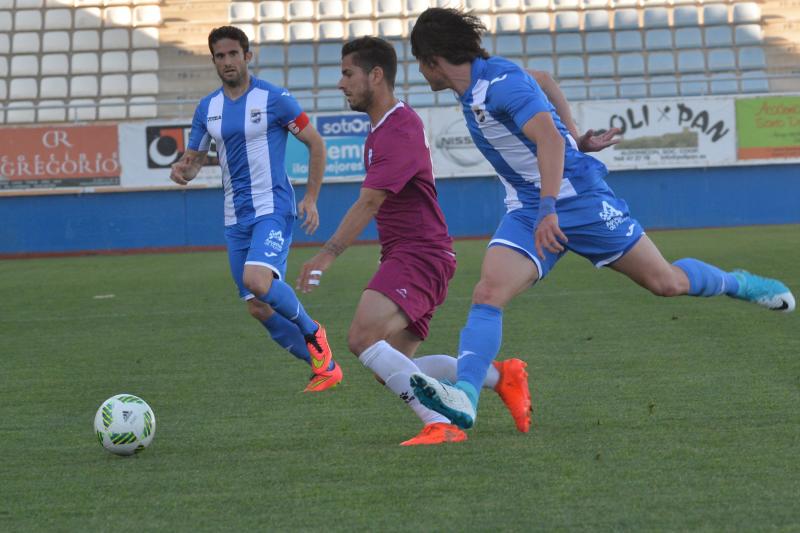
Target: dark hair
point(228, 32)
point(370, 52)
point(449, 33)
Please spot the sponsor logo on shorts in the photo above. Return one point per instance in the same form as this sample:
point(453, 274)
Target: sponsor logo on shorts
point(402, 292)
point(612, 217)
point(274, 240)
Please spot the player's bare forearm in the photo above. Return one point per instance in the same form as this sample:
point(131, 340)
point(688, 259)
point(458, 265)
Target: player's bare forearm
point(354, 222)
point(550, 154)
point(351, 226)
point(316, 160)
point(557, 98)
point(549, 149)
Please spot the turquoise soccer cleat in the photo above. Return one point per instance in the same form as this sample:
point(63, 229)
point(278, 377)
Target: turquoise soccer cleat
point(447, 400)
point(767, 292)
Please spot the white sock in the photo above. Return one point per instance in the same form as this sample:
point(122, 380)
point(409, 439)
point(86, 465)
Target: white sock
point(395, 370)
point(446, 367)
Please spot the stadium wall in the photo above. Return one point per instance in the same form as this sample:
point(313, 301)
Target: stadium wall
point(147, 220)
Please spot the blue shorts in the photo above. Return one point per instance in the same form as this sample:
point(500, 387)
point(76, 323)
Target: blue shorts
point(266, 243)
point(598, 226)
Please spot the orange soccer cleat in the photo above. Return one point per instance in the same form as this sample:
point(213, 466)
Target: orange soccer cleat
point(319, 349)
point(513, 390)
point(437, 433)
point(326, 380)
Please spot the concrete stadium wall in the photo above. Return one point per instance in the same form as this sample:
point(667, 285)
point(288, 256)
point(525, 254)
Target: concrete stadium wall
point(660, 199)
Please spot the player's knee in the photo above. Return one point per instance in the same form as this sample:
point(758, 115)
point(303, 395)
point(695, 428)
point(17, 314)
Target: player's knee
point(257, 284)
point(488, 293)
point(360, 338)
point(665, 286)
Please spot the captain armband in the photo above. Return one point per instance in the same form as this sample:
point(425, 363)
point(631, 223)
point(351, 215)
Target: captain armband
point(298, 124)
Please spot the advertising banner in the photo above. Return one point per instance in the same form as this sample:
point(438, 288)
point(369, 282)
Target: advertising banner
point(665, 133)
point(59, 156)
point(148, 150)
point(452, 150)
point(768, 127)
point(344, 135)
point(656, 133)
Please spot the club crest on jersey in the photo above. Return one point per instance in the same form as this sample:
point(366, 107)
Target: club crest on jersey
point(275, 240)
point(613, 217)
point(255, 116)
point(480, 114)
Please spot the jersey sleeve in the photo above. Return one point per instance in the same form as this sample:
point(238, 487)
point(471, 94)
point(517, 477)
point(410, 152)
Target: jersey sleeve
point(199, 138)
point(517, 96)
point(393, 162)
point(290, 114)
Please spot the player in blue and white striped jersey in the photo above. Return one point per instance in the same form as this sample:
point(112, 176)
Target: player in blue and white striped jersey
point(249, 120)
point(557, 200)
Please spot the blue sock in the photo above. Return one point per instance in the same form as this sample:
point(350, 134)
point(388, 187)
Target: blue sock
point(480, 342)
point(288, 336)
point(282, 299)
point(707, 280)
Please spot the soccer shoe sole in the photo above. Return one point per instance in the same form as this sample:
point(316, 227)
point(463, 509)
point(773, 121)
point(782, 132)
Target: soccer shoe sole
point(431, 396)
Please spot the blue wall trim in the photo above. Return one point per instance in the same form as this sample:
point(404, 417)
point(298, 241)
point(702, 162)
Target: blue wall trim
point(676, 198)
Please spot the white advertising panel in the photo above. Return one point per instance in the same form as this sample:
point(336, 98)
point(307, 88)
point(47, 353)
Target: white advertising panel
point(664, 133)
point(148, 150)
point(453, 152)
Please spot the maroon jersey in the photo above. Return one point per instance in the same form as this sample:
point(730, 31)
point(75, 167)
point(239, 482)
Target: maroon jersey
point(398, 160)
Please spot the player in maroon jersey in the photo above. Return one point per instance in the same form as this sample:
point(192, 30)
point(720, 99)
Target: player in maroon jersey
point(417, 258)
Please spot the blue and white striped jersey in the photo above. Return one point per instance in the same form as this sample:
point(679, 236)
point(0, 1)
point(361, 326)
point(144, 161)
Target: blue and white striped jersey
point(250, 134)
point(501, 98)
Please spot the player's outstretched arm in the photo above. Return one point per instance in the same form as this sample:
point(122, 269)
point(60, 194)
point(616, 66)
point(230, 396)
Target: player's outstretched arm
point(186, 168)
point(588, 142)
point(351, 226)
point(307, 208)
point(550, 149)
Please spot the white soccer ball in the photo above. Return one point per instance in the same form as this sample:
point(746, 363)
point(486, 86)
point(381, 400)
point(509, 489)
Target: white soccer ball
point(125, 424)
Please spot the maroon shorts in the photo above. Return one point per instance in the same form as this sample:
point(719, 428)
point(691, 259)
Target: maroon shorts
point(417, 283)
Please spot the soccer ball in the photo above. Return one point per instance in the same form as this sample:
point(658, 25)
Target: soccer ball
point(125, 424)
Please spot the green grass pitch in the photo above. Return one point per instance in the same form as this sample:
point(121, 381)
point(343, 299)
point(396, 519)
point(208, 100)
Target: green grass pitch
point(650, 414)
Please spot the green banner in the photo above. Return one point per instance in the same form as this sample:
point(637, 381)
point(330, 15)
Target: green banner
point(768, 127)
